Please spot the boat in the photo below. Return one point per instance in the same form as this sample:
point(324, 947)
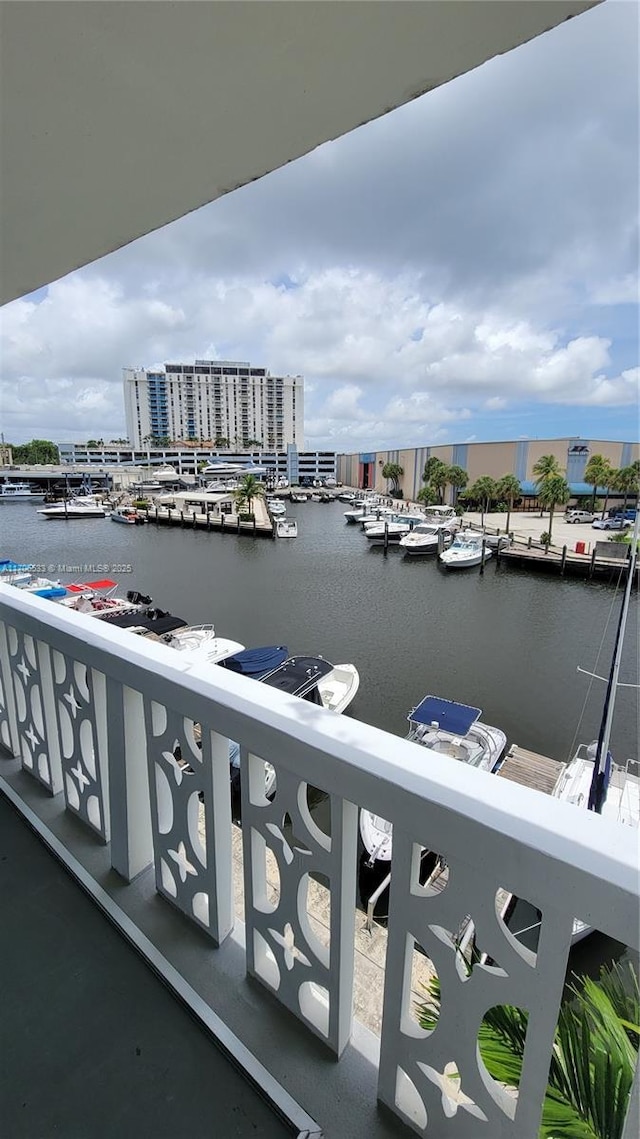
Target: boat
point(425, 538)
point(79, 507)
point(379, 514)
point(286, 528)
point(126, 514)
point(309, 678)
point(258, 662)
point(387, 530)
point(359, 507)
point(199, 644)
point(19, 492)
point(467, 550)
point(97, 599)
point(277, 508)
point(299, 497)
point(450, 729)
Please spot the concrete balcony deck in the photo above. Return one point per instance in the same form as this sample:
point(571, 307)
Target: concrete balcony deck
point(89, 720)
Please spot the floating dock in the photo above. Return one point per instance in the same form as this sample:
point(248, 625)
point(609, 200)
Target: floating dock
point(530, 769)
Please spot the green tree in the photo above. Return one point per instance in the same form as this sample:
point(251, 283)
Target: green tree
point(393, 472)
point(596, 473)
point(553, 491)
point(508, 489)
point(427, 495)
point(627, 482)
point(484, 490)
point(435, 475)
point(222, 443)
point(37, 452)
point(594, 1054)
point(249, 488)
point(457, 478)
point(547, 466)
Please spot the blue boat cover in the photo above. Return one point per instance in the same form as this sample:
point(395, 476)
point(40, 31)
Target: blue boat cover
point(50, 591)
point(449, 716)
point(256, 662)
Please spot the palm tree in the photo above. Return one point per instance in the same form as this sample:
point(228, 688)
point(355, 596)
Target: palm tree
point(427, 495)
point(393, 472)
point(595, 474)
point(457, 479)
point(431, 466)
point(508, 489)
point(594, 1055)
point(483, 490)
point(250, 487)
point(627, 481)
point(553, 491)
point(546, 467)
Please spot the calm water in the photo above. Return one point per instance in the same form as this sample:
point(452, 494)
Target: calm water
point(508, 642)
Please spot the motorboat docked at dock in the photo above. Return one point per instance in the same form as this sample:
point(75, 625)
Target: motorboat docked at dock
point(276, 507)
point(425, 538)
point(128, 515)
point(450, 729)
point(286, 528)
point(309, 678)
point(79, 507)
point(19, 492)
point(468, 549)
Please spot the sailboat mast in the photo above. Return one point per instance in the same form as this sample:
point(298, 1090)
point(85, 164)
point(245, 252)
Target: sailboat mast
point(597, 793)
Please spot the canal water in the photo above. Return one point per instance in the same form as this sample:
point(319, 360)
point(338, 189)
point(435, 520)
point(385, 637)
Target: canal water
point(508, 641)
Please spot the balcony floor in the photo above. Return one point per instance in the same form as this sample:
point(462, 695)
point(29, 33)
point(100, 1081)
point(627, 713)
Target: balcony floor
point(92, 1042)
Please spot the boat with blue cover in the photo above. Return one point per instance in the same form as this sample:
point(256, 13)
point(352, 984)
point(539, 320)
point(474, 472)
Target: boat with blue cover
point(448, 728)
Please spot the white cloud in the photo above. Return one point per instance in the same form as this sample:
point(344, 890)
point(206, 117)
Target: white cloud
point(464, 255)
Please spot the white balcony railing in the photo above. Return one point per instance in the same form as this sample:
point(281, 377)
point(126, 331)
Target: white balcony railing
point(94, 716)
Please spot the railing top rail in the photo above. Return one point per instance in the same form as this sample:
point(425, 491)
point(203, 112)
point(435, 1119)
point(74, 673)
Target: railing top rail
point(421, 791)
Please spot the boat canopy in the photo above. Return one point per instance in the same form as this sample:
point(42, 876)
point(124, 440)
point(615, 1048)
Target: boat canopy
point(447, 714)
point(105, 583)
point(256, 662)
point(299, 676)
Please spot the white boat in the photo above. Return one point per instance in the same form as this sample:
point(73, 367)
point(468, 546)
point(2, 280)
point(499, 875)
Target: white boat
point(445, 727)
point(286, 528)
point(359, 507)
point(378, 514)
point(338, 688)
point(19, 492)
point(127, 515)
point(277, 508)
point(85, 507)
point(425, 538)
point(390, 531)
point(465, 551)
point(199, 644)
point(97, 599)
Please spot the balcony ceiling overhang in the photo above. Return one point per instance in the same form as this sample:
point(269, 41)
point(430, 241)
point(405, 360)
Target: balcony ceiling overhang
point(118, 118)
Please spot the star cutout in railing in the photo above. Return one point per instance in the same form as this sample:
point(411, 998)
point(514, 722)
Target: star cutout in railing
point(286, 849)
point(291, 952)
point(70, 697)
point(32, 736)
point(453, 1097)
point(80, 776)
point(24, 670)
point(184, 866)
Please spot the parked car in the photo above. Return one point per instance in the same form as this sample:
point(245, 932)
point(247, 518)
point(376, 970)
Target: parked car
point(611, 524)
point(579, 516)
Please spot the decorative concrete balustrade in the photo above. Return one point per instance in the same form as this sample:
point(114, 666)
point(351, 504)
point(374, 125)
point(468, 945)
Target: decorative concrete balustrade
point(96, 715)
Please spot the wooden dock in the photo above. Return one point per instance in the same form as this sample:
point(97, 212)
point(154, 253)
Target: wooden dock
point(531, 770)
point(221, 523)
point(599, 563)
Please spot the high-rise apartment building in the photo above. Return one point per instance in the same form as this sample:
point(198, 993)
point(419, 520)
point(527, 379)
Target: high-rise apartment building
point(214, 400)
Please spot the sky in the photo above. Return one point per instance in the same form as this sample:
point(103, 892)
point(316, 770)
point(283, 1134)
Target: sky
point(463, 269)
